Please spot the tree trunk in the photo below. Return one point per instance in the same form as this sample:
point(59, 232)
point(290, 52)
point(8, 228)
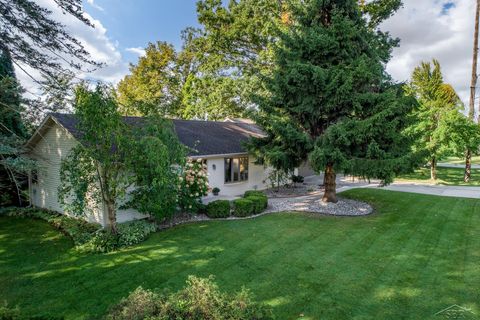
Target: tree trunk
point(329, 183)
point(112, 217)
point(468, 166)
point(433, 169)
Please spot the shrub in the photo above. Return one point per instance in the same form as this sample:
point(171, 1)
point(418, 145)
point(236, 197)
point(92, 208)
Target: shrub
point(250, 193)
point(216, 191)
point(129, 233)
point(201, 299)
point(242, 207)
point(259, 203)
point(218, 209)
point(193, 184)
point(297, 179)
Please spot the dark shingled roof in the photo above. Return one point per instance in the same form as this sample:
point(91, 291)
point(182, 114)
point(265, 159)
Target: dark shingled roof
point(204, 138)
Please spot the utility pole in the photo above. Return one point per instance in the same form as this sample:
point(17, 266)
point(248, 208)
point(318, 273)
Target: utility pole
point(473, 85)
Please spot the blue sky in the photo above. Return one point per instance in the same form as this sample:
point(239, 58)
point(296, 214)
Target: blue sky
point(134, 23)
point(428, 29)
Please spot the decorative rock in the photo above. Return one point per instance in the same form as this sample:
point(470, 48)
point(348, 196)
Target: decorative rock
point(344, 207)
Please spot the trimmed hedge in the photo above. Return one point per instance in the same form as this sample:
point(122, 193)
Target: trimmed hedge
point(256, 193)
point(259, 203)
point(243, 207)
point(218, 209)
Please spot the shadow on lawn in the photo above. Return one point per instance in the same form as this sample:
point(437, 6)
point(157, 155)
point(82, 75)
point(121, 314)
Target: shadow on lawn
point(396, 264)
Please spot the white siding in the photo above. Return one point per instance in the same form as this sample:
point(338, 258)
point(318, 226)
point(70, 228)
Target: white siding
point(257, 174)
point(55, 144)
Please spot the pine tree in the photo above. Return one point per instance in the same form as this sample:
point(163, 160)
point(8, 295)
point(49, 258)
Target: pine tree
point(331, 100)
point(13, 166)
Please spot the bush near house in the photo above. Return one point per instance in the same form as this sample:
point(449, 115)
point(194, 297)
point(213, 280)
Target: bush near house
point(254, 193)
point(201, 299)
point(259, 203)
point(129, 233)
point(218, 209)
point(243, 207)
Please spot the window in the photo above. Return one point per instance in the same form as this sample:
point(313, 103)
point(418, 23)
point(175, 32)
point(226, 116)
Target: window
point(236, 169)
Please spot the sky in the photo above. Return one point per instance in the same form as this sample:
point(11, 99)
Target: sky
point(428, 29)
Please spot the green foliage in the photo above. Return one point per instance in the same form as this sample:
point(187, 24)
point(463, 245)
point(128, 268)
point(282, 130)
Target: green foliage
point(440, 128)
point(80, 231)
point(128, 234)
point(153, 82)
point(116, 154)
point(218, 209)
point(254, 193)
point(243, 207)
point(216, 190)
point(200, 299)
point(331, 100)
point(155, 158)
point(14, 165)
point(259, 203)
point(96, 169)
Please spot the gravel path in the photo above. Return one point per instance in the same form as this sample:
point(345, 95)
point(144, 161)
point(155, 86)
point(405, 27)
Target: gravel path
point(344, 207)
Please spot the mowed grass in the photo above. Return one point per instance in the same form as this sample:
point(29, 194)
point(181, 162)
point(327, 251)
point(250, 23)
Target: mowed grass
point(445, 176)
point(414, 256)
point(456, 160)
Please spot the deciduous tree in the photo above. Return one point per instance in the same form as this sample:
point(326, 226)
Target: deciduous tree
point(437, 112)
point(116, 154)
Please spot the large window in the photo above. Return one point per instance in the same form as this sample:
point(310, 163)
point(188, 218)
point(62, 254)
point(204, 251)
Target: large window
point(236, 169)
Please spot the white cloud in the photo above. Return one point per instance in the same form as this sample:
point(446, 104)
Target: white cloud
point(96, 42)
point(94, 5)
point(138, 50)
point(428, 31)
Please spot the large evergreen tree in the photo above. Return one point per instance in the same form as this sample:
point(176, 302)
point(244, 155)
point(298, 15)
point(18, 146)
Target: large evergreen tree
point(13, 166)
point(330, 98)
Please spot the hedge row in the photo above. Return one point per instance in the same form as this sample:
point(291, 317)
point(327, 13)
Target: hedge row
point(253, 202)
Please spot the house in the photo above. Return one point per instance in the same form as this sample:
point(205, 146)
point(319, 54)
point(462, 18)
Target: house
point(220, 144)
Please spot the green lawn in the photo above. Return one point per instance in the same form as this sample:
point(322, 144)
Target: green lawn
point(446, 176)
point(455, 160)
point(415, 256)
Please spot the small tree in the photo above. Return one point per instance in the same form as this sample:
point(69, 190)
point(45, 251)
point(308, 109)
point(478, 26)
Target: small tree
point(156, 159)
point(437, 112)
point(115, 155)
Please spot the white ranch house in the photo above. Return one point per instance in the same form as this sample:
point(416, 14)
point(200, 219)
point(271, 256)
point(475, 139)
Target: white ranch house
point(220, 144)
